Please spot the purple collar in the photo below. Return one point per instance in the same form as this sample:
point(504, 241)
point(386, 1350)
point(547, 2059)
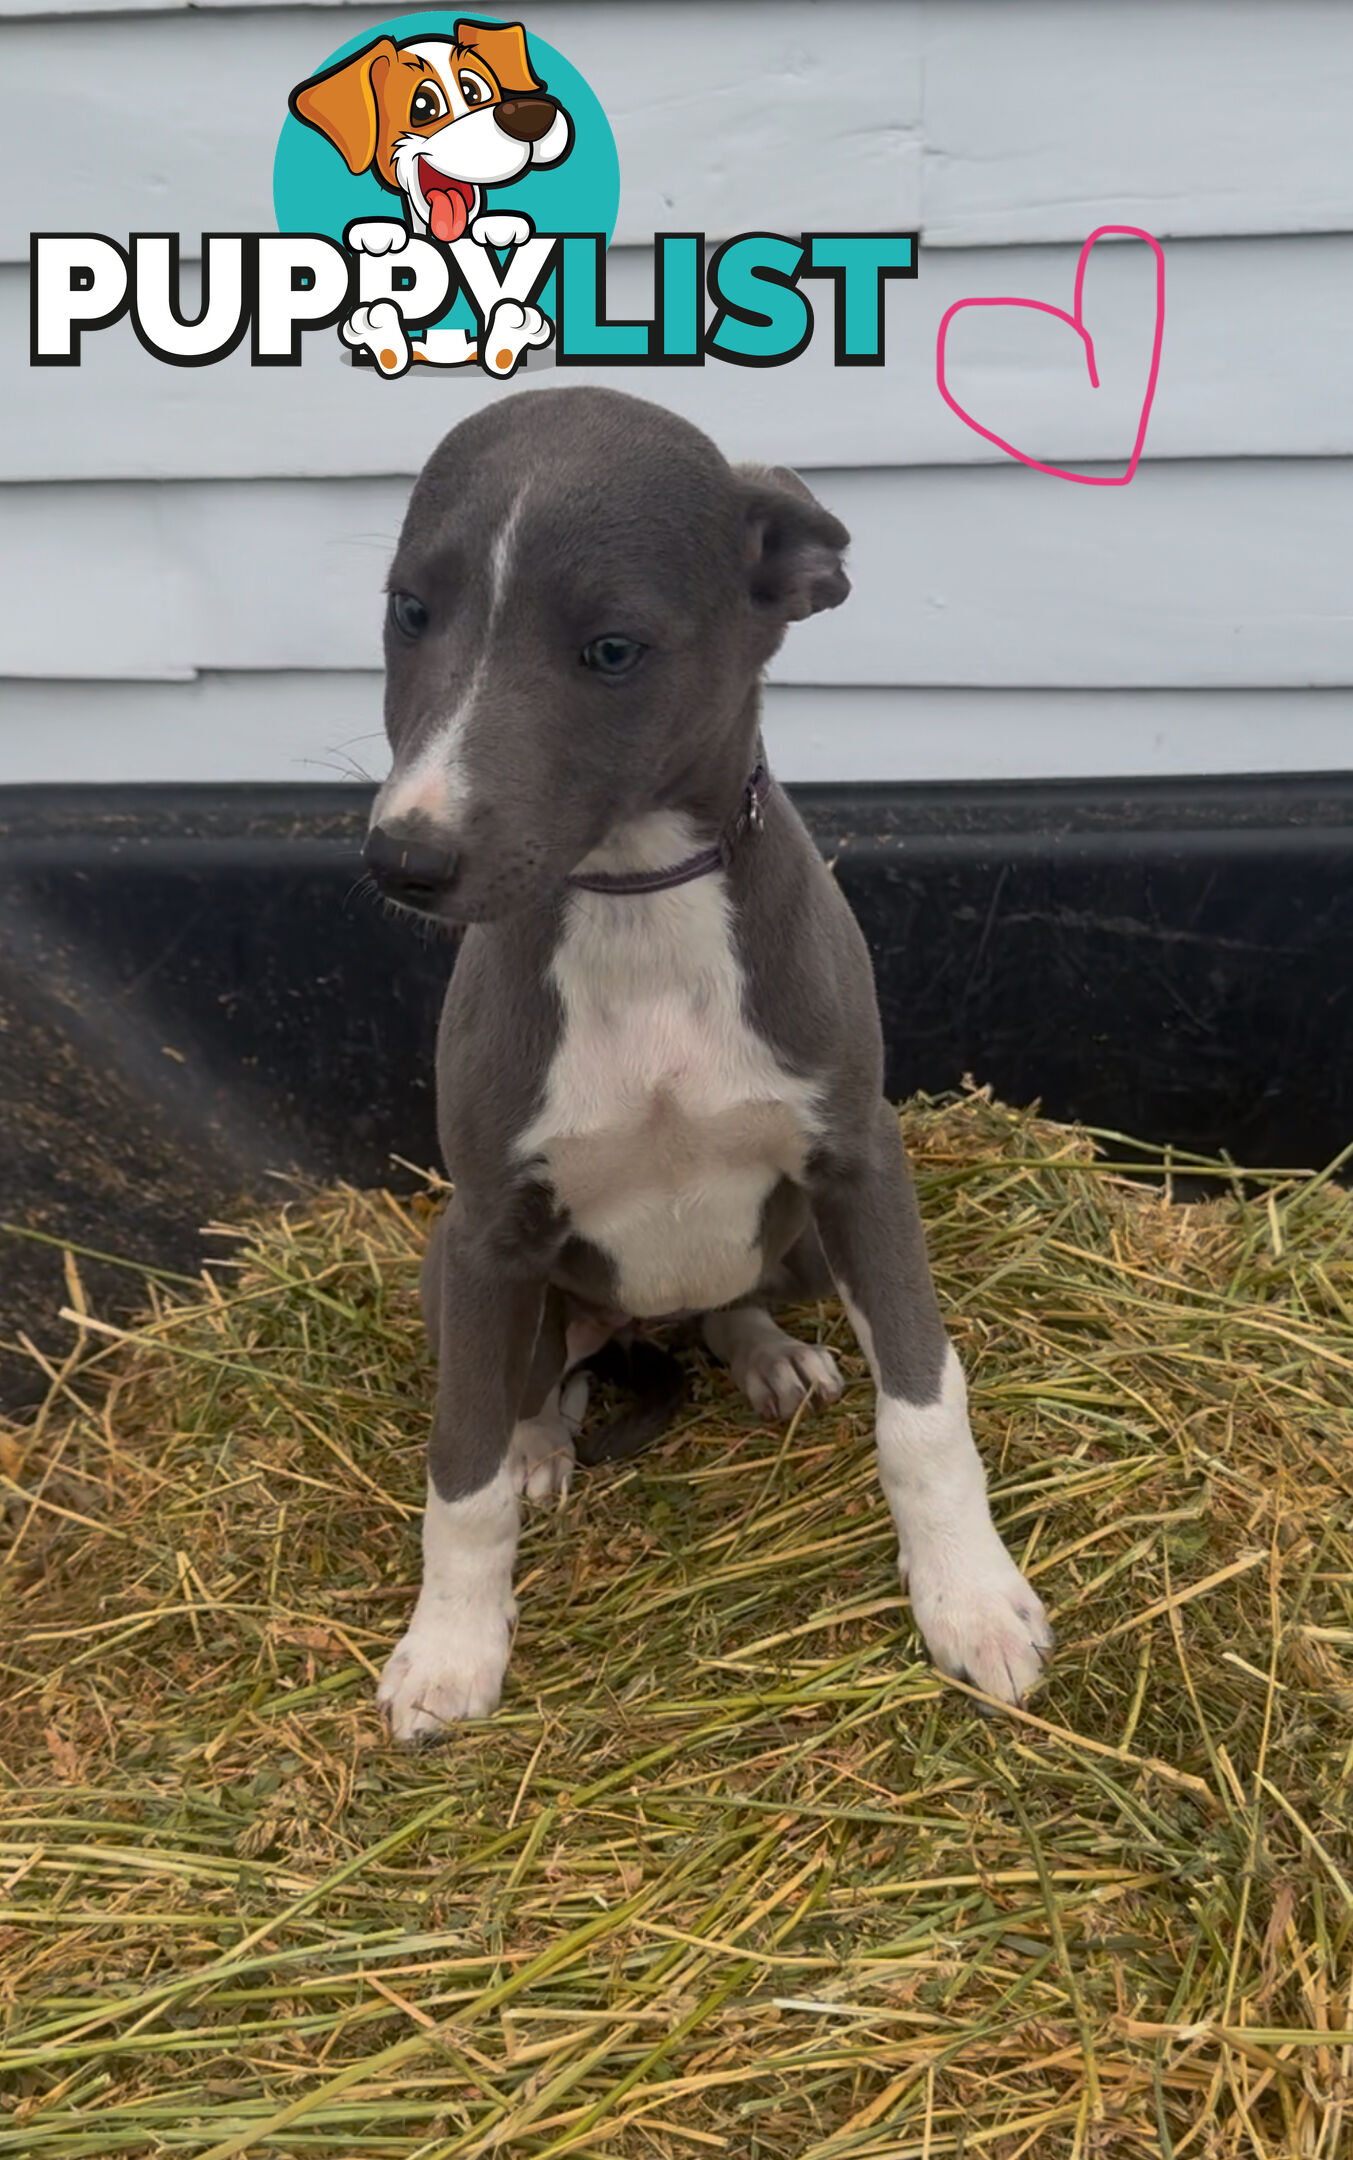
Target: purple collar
point(748, 819)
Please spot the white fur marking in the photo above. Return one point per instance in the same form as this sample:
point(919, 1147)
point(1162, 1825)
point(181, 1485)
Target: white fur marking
point(864, 1334)
point(437, 783)
point(980, 1619)
point(451, 1661)
point(500, 558)
point(665, 1120)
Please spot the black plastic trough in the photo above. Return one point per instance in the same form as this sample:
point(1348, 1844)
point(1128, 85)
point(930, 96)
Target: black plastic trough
point(194, 992)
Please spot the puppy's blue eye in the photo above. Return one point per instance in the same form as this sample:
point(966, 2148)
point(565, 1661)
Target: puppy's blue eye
point(408, 615)
point(611, 655)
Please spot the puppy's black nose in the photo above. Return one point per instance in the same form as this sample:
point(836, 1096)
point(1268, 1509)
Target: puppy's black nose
point(526, 119)
point(415, 872)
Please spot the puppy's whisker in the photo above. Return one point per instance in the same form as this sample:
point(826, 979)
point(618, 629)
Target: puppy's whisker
point(348, 767)
point(381, 540)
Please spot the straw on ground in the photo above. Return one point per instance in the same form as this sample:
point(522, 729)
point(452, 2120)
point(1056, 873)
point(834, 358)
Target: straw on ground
point(732, 1871)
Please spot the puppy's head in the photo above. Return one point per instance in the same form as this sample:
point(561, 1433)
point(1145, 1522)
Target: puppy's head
point(583, 598)
point(439, 119)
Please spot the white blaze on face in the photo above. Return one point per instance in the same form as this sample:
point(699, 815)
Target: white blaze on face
point(436, 784)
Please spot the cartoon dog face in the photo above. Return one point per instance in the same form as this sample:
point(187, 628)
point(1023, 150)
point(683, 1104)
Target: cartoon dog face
point(439, 119)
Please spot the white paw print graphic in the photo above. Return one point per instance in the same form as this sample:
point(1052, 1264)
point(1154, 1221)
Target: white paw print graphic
point(512, 329)
point(501, 229)
point(377, 236)
point(379, 330)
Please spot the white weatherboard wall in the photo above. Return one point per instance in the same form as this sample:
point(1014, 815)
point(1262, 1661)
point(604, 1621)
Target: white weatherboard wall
point(192, 559)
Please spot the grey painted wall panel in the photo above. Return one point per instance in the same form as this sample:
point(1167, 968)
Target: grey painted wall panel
point(992, 125)
point(788, 129)
point(1255, 363)
point(1043, 119)
point(984, 120)
point(1195, 575)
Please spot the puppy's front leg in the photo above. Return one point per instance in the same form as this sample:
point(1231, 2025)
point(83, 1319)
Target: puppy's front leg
point(980, 1619)
point(451, 1662)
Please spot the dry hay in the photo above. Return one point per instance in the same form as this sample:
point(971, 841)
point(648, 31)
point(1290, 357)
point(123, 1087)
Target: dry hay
point(733, 1871)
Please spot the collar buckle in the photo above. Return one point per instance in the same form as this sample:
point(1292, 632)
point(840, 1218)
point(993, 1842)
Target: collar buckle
point(750, 818)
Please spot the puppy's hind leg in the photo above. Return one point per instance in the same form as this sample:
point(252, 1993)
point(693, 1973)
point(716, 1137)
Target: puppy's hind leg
point(773, 1369)
point(544, 1451)
point(543, 1455)
point(980, 1619)
point(451, 1661)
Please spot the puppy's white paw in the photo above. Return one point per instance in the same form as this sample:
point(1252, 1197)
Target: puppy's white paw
point(775, 1377)
point(501, 229)
point(541, 1459)
point(447, 1668)
point(379, 329)
point(512, 329)
point(980, 1619)
point(450, 1664)
point(773, 1371)
point(376, 236)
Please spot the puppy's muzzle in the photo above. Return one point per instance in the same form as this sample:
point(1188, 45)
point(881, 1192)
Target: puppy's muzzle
point(416, 872)
point(526, 119)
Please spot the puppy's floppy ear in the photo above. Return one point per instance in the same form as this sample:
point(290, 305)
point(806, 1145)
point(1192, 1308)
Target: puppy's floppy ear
point(502, 48)
point(341, 103)
point(793, 546)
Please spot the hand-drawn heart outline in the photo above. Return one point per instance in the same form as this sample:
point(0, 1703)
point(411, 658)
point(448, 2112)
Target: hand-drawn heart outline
point(1077, 323)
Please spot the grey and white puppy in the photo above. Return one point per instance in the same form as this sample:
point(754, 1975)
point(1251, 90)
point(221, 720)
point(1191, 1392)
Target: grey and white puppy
point(660, 1064)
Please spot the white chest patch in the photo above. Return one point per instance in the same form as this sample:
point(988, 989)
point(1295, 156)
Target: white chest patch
point(666, 1121)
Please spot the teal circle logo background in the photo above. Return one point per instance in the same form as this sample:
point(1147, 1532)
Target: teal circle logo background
point(313, 191)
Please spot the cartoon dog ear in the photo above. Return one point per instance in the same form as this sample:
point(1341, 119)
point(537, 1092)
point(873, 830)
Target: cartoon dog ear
point(502, 48)
point(341, 104)
point(793, 546)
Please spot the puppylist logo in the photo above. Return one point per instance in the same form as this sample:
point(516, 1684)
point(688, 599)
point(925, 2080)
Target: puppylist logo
point(445, 194)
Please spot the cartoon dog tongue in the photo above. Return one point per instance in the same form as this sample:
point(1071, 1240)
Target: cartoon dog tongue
point(448, 211)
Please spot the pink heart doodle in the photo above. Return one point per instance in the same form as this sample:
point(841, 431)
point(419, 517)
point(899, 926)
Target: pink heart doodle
point(1076, 320)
